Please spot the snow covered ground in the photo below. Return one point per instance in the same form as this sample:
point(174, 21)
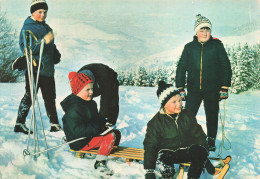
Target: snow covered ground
point(137, 106)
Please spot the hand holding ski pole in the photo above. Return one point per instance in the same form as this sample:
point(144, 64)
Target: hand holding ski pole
point(49, 37)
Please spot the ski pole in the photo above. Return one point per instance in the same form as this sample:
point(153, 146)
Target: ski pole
point(29, 76)
point(26, 152)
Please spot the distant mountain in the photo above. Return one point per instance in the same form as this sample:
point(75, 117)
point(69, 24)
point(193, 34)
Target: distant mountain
point(246, 28)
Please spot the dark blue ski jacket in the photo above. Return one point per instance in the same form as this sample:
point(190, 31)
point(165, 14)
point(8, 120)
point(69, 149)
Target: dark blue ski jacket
point(50, 54)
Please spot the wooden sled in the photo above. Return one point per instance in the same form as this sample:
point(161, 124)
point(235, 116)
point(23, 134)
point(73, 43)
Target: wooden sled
point(128, 153)
point(137, 154)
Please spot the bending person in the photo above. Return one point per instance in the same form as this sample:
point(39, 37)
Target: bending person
point(106, 86)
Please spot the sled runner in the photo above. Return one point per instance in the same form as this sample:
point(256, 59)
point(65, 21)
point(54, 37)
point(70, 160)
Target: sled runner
point(131, 154)
point(221, 169)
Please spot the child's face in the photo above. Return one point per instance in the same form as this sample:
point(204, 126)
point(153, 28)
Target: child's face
point(40, 15)
point(174, 105)
point(87, 92)
point(203, 34)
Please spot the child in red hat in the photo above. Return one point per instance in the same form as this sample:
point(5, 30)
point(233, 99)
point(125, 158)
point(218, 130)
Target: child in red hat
point(81, 119)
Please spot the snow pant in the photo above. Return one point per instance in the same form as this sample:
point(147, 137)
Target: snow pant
point(109, 103)
point(47, 85)
point(105, 144)
point(211, 106)
point(195, 154)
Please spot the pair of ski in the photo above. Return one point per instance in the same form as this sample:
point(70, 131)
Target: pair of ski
point(220, 170)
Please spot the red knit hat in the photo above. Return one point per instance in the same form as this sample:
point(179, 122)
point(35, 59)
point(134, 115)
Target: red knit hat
point(78, 81)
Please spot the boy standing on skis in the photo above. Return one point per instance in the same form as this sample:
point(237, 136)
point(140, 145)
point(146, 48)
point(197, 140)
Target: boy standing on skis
point(81, 119)
point(208, 75)
point(37, 26)
point(173, 136)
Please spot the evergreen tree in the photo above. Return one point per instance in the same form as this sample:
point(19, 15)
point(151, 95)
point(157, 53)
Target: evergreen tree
point(141, 78)
point(242, 64)
point(161, 74)
point(8, 50)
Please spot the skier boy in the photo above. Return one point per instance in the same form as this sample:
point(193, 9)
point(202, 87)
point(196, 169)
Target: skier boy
point(173, 136)
point(106, 85)
point(37, 25)
point(208, 75)
point(81, 119)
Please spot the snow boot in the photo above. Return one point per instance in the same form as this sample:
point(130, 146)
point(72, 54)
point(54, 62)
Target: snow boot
point(209, 167)
point(55, 127)
point(100, 164)
point(19, 127)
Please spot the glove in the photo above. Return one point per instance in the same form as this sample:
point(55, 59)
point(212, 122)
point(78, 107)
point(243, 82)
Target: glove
point(150, 174)
point(49, 37)
point(108, 124)
point(223, 94)
point(183, 94)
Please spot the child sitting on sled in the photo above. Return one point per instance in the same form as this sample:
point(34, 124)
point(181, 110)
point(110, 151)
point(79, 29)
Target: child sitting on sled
point(173, 136)
point(81, 119)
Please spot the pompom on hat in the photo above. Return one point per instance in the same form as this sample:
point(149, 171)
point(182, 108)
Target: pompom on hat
point(200, 22)
point(38, 4)
point(78, 81)
point(165, 92)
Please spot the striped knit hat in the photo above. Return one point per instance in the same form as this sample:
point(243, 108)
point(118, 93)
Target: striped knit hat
point(165, 92)
point(38, 4)
point(200, 22)
point(78, 81)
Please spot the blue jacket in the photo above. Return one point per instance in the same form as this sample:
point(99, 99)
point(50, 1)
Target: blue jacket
point(50, 54)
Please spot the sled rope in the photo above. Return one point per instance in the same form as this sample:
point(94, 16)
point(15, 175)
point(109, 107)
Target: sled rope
point(222, 143)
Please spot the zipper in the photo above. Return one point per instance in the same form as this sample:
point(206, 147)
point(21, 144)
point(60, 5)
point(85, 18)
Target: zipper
point(176, 126)
point(201, 66)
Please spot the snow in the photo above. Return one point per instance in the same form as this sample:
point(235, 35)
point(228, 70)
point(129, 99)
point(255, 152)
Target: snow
point(137, 107)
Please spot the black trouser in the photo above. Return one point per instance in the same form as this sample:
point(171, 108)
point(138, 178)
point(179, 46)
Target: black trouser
point(47, 85)
point(196, 154)
point(109, 103)
point(211, 106)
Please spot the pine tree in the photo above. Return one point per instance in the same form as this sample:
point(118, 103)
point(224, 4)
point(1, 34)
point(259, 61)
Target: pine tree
point(161, 74)
point(8, 50)
point(141, 78)
point(243, 69)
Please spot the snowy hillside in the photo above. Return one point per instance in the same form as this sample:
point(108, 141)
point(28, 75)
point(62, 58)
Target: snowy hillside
point(137, 106)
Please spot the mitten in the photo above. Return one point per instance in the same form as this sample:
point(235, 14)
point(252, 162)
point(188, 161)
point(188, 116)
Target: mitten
point(150, 174)
point(183, 94)
point(223, 94)
point(49, 37)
